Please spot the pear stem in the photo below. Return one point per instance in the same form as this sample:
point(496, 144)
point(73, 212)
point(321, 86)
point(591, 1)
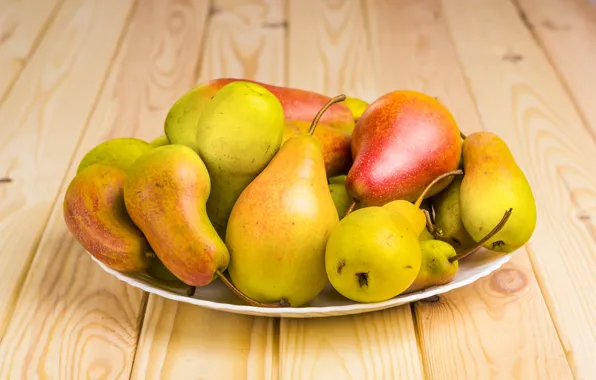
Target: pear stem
point(494, 231)
point(427, 189)
point(191, 291)
point(281, 303)
point(5, 180)
point(332, 101)
point(350, 209)
point(462, 135)
point(435, 232)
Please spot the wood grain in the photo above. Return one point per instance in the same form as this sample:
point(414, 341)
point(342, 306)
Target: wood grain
point(246, 40)
point(42, 119)
point(328, 48)
point(180, 340)
point(522, 99)
point(458, 334)
point(73, 320)
point(566, 30)
point(376, 345)
point(22, 23)
point(186, 341)
point(332, 56)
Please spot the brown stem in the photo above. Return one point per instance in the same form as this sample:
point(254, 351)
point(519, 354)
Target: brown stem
point(494, 231)
point(332, 101)
point(281, 303)
point(462, 135)
point(435, 232)
point(5, 180)
point(191, 291)
point(350, 209)
point(442, 176)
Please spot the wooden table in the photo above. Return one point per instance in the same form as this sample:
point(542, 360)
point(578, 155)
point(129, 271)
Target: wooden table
point(74, 73)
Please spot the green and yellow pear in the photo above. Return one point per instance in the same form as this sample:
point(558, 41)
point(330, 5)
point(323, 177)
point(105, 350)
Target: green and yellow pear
point(159, 141)
point(279, 226)
point(494, 183)
point(340, 197)
point(440, 261)
point(238, 133)
point(448, 216)
point(356, 105)
point(121, 152)
point(371, 257)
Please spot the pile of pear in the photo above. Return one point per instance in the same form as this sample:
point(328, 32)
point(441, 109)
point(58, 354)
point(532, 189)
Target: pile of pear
point(280, 191)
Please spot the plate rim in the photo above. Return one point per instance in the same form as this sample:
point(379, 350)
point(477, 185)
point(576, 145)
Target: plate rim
point(310, 311)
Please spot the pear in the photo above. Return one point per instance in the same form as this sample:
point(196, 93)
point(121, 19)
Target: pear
point(335, 144)
point(180, 125)
point(371, 257)
point(121, 152)
point(436, 269)
point(165, 193)
point(340, 198)
point(95, 214)
point(440, 261)
point(299, 105)
point(356, 105)
point(414, 215)
point(494, 183)
point(337, 187)
point(238, 133)
point(401, 142)
point(425, 235)
point(417, 217)
point(448, 216)
point(159, 141)
point(159, 271)
point(280, 224)
point(339, 179)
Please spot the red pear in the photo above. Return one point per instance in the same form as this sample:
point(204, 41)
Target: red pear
point(401, 143)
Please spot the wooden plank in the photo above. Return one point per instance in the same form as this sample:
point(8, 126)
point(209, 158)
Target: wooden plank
point(566, 30)
point(457, 334)
point(332, 56)
point(520, 97)
point(72, 319)
point(328, 48)
point(181, 340)
point(244, 39)
point(42, 119)
point(22, 23)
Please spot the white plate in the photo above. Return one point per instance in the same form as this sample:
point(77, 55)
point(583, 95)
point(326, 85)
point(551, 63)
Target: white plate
point(329, 303)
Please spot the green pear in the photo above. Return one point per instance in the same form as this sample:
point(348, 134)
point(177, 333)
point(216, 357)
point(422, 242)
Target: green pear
point(159, 141)
point(180, 125)
point(357, 106)
point(340, 198)
point(440, 261)
point(280, 224)
point(425, 235)
point(370, 257)
point(436, 269)
point(448, 216)
point(337, 187)
point(340, 179)
point(494, 183)
point(121, 152)
point(238, 133)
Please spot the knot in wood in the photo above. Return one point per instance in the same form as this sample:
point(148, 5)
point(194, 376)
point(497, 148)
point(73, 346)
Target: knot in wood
point(508, 281)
